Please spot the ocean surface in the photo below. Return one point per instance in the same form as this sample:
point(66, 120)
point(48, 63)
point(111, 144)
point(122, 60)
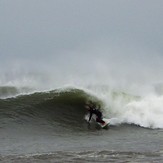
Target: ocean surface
point(50, 126)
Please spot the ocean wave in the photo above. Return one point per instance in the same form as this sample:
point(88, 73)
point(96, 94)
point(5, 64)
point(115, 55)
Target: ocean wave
point(65, 108)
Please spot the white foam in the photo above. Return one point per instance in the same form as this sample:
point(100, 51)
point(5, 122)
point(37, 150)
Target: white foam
point(147, 112)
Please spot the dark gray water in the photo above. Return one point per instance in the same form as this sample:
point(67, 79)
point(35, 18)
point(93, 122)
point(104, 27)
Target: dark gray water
point(117, 144)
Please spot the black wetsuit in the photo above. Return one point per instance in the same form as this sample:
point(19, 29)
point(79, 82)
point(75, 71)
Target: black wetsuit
point(97, 113)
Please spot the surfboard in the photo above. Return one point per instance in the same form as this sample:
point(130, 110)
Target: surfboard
point(106, 123)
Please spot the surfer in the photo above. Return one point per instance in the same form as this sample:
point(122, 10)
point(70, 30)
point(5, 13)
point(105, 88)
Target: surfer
point(92, 110)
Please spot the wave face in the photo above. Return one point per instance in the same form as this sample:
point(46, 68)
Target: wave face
point(54, 108)
point(65, 108)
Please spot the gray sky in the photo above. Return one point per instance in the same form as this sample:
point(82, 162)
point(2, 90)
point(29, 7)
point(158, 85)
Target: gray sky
point(50, 33)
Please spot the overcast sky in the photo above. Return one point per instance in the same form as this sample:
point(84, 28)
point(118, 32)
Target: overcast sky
point(51, 32)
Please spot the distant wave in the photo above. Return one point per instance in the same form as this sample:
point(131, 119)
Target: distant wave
point(10, 91)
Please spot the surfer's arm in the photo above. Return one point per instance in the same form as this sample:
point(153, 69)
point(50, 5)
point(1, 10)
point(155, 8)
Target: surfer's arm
point(90, 116)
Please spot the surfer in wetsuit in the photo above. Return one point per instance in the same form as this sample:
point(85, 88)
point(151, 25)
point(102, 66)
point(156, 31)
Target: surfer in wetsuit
point(92, 110)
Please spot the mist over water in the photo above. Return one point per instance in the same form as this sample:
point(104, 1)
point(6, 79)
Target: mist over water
point(52, 44)
point(137, 72)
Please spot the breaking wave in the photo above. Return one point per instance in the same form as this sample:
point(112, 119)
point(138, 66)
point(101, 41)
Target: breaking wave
point(65, 108)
